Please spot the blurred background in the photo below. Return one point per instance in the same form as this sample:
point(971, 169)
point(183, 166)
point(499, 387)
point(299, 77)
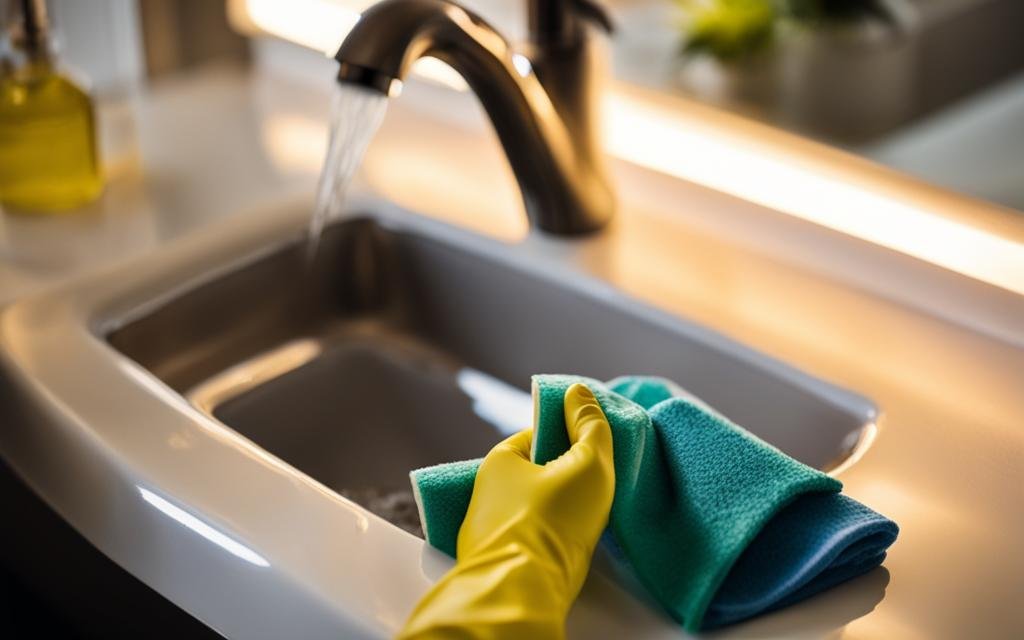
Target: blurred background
point(932, 88)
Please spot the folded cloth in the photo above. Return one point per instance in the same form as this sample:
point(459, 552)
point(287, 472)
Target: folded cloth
point(716, 524)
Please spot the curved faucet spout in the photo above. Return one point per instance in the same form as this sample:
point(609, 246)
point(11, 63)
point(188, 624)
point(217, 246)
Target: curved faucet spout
point(541, 106)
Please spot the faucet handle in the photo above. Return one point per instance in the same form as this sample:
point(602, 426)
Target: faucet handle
point(559, 22)
point(596, 13)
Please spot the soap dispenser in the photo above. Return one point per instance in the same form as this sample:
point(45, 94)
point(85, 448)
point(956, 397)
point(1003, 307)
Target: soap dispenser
point(48, 155)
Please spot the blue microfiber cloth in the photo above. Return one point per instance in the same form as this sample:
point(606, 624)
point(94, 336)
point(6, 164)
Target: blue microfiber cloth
point(717, 525)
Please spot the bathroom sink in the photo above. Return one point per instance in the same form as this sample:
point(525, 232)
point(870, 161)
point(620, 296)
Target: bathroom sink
point(211, 416)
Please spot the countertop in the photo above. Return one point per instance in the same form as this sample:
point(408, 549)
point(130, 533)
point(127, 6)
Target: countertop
point(220, 147)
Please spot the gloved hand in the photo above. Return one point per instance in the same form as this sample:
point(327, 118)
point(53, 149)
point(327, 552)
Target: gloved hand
point(526, 543)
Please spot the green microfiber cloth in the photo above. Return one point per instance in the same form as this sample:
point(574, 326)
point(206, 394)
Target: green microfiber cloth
point(690, 495)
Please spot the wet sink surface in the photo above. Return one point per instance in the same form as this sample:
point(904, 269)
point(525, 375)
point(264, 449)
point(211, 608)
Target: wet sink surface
point(394, 350)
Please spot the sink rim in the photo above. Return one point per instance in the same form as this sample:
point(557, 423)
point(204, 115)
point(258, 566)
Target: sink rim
point(861, 415)
point(55, 352)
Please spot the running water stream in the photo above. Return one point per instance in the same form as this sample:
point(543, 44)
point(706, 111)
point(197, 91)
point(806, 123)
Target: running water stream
point(356, 115)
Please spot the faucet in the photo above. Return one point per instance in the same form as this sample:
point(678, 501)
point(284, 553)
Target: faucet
point(541, 99)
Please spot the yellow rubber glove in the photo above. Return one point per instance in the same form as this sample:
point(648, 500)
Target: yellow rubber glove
point(525, 546)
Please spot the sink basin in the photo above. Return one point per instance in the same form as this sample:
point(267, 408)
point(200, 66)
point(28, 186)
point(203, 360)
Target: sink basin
point(211, 417)
point(392, 350)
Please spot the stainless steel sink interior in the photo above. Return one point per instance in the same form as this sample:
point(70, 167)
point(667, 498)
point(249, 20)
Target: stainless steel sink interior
point(394, 349)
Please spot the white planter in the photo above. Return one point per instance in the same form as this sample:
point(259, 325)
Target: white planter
point(750, 85)
point(842, 83)
point(847, 84)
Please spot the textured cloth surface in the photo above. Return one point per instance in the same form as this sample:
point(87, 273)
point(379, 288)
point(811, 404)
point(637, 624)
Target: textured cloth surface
point(815, 543)
point(716, 524)
point(442, 494)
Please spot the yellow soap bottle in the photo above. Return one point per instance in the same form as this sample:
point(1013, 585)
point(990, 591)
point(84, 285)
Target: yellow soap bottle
point(48, 156)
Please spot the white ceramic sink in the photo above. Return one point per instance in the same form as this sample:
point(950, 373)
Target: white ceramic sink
point(199, 414)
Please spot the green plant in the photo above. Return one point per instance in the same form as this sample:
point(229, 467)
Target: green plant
point(734, 29)
point(818, 11)
point(729, 29)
